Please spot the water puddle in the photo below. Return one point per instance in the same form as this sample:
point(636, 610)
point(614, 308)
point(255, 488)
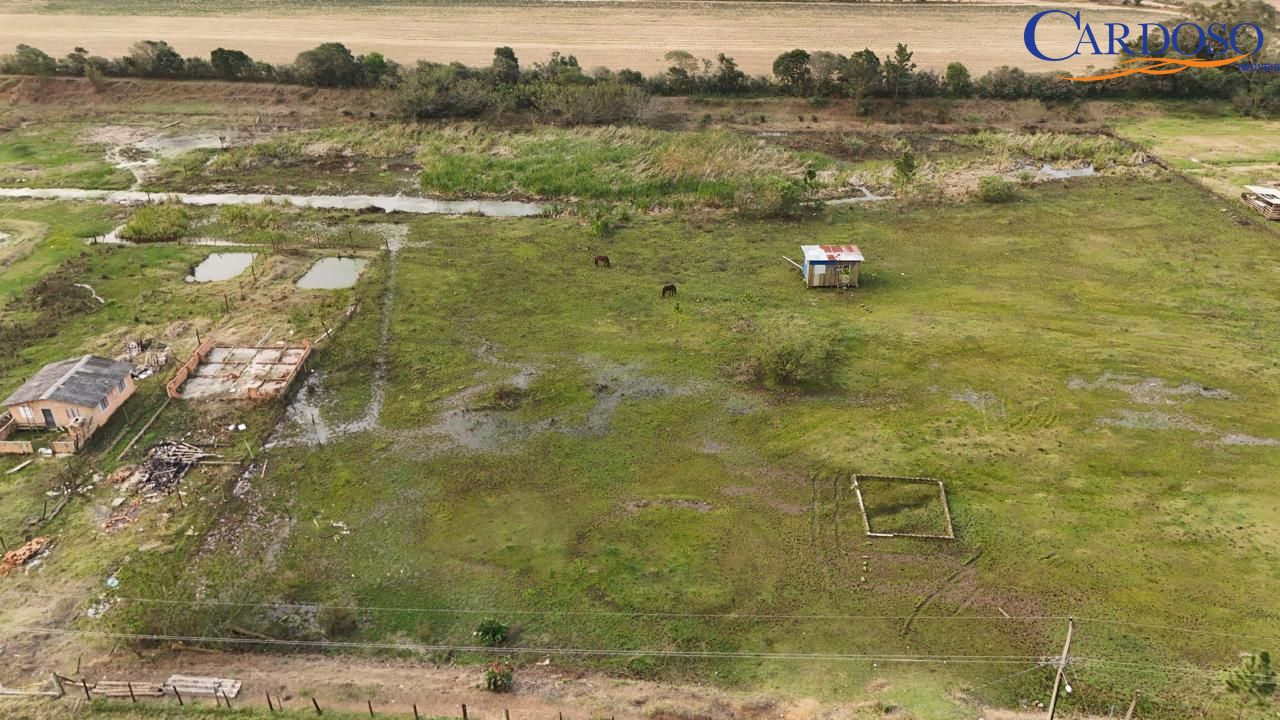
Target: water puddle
point(221, 266)
point(386, 203)
point(333, 273)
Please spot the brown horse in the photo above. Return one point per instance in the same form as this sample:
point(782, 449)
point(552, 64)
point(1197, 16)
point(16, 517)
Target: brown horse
point(601, 260)
point(669, 290)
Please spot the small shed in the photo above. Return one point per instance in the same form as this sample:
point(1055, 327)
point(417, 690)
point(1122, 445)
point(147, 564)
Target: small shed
point(831, 265)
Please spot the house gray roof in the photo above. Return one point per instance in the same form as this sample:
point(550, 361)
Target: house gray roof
point(82, 381)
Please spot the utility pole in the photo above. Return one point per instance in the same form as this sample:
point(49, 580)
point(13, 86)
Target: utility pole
point(1062, 668)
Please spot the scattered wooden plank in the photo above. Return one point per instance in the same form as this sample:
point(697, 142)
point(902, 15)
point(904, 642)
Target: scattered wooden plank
point(193, 685)
point(19, 466)
point(121, 689)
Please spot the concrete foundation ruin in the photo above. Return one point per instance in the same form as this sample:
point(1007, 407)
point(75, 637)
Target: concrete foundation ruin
point(223, 372)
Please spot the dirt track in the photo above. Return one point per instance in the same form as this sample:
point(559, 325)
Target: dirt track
point(614, 35)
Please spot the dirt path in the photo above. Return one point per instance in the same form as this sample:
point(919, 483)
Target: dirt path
point(616, 35)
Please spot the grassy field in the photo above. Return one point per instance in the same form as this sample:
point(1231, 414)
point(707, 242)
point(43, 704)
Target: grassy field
point(557, 442)
point(1224, 153)
point(502, 429)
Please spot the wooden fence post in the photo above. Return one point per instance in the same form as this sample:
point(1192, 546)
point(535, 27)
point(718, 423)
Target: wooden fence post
point(85, 685)
point(225, 698)
point(132, 697)
point(415, 712)
point(270, 706)
point(464, 711)
point(370, 703)
point(316, 703)
point(178, 694)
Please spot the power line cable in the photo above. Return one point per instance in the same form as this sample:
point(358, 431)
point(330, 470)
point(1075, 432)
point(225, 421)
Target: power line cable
point(498, 611)
point(421, 647)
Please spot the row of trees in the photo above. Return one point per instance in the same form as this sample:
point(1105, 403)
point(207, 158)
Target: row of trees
point(560, 89)
point(327, 65)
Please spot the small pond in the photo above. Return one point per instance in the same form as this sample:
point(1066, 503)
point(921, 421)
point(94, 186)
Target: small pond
point(333, 273)
point(221, 266)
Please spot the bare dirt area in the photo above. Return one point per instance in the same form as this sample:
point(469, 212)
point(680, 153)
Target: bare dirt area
point(616, 35)
point(395, 686)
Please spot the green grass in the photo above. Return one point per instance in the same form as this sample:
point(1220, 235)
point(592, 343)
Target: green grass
point(693, 497)
point(635, 165)
point(1224, 153)
point(53, 156)
point(637, 474)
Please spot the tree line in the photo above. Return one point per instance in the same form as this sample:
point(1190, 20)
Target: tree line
point(559, 89)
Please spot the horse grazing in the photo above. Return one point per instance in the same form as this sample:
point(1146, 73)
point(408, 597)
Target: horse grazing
point(669, 290)
point(601, 260)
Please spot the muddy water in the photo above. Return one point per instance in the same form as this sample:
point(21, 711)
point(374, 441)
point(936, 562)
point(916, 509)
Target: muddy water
point(388, 203)
point(221, 266)
point(333, 273)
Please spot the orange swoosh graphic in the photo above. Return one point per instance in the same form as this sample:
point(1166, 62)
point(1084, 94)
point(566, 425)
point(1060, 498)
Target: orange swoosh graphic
point(1158, 66)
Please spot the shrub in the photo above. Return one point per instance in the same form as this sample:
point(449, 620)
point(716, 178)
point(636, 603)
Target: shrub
point(249, 217)
point(499, 677)
point(157, 223)
point(770, 197)
point(492, 632)
point(995, 189)
point(904, 170)
point(336, 622)
point(597, 104)
point(793, 352)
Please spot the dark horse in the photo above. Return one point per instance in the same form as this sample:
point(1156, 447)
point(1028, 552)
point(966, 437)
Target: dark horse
point(601, 260)
point(668, 290)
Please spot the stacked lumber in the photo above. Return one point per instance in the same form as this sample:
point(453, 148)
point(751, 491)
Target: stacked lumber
point(1267, 209)
point(195, 685)
point(122, 689)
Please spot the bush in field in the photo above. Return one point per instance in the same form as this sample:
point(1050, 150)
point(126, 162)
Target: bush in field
point(904, 170)
point(995, 189)
point(336, 622)
point(328, 65)
point(770, 197)
point(444, 91)
point(492, 632)
point(499, 677)
point(794, 353)
point(596, 104)
point(157, 223)
point(247, 218)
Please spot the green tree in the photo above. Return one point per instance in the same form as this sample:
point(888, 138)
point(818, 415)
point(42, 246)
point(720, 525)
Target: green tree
point(505, 65)
point(155, 58)
point(904, 170)
point(826, 70)
point(957, 80)
point(231, 64)
point(328, 65)
point(862, 74)
point(898, 69)
point(377, 69)
point(28, 60)
point(792, 70)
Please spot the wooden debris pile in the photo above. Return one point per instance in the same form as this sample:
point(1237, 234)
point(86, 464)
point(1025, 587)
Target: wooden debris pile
point(166, 464)
point(194, 685)
point(15, 559)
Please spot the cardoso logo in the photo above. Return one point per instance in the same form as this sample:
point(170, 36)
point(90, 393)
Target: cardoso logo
point(1186, 38)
